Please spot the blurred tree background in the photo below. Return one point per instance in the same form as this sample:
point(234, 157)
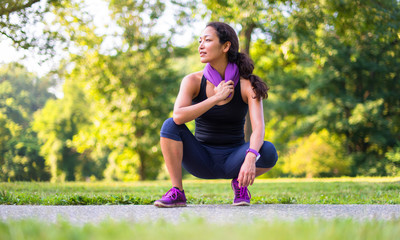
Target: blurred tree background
point(333, 68)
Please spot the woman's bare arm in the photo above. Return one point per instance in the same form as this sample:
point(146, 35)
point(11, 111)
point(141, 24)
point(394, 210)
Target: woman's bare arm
point(184, 111)
point(248, 170)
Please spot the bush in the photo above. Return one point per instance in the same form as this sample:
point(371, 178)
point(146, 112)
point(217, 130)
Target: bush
point(317, 155)
point(393, 156)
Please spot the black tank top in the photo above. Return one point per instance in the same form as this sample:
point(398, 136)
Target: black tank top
point(221, 125)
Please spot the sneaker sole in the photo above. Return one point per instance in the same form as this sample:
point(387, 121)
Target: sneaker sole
point(241, 204)
point(162, 205)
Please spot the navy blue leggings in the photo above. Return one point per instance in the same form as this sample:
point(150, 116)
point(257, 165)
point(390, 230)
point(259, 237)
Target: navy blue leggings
point(211, 162)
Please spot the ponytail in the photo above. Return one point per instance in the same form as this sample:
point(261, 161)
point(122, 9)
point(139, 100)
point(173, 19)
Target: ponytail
point(246, 67)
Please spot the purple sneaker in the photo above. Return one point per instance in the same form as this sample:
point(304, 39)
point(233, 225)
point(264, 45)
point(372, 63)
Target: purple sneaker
point(242, 195)
point(173, 198)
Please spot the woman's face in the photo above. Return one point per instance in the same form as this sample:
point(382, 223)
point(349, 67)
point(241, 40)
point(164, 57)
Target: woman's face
point(210, 48)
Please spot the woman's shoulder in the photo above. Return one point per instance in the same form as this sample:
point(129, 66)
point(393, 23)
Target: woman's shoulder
point(191, 83)
point(246, 89)
point(245, 84)
point(193, 77)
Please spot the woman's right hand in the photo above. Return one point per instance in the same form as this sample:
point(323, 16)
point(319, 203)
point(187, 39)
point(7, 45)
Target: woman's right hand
point(223, 90)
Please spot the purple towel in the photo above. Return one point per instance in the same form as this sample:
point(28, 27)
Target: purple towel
point(231, 73)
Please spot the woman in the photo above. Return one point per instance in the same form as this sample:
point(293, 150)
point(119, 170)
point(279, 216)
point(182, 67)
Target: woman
point(218, 98)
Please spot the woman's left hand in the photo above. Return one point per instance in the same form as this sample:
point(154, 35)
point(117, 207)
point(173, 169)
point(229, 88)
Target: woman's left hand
point(247, 172)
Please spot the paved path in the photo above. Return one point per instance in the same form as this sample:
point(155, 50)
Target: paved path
point(213, 213)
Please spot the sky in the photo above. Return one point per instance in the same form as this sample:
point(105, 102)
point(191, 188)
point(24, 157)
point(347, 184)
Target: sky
point(99, 9)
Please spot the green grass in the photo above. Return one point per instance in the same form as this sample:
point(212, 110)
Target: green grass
point(282, 191)
point(194, 229)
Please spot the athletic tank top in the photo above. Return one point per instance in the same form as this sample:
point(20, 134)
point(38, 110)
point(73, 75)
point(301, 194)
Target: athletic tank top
point(221, 125)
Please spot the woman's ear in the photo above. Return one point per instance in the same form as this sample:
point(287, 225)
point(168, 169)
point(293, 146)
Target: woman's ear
point(227, 46)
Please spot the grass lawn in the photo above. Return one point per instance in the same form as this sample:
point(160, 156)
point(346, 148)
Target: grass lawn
point(264, 191)
point(194, 229)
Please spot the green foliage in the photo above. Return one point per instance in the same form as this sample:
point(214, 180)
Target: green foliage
point(333, 68)
point(56, 124)
point(336, 68)
point(393, 157)
point(135, 92)
point(22, 161)
point(107, 125)
point(394, 154)
point(21, 94)
point(18, 18)
point(318, 155)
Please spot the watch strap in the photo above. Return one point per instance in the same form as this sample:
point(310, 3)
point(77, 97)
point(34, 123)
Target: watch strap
point(258, 155)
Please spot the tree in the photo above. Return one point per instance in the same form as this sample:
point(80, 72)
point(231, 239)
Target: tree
point(61, 119)
point(18, 19)
point(337, 68)
point(360, 60)
point(114, 103)
point(21, 94)
point(56, 124)
point(133, 93)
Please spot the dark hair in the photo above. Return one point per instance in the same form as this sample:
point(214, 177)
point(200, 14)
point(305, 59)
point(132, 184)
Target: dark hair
point(246, 66)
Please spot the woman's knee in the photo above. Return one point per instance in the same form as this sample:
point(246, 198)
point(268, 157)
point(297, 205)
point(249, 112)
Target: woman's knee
point(170, 124)
point(171, 130)
point(269, 152)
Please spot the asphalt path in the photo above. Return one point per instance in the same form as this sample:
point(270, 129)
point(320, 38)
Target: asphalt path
point(213, 213)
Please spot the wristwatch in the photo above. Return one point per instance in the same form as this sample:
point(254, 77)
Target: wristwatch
point(255, 153)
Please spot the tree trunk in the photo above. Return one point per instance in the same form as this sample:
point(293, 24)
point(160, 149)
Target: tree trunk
point(142, 167)
point(245, 35)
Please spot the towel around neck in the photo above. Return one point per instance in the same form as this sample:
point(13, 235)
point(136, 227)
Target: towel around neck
point(231, 73)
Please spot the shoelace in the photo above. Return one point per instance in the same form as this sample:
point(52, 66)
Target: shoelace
point(241, 192)
point(172, 193)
